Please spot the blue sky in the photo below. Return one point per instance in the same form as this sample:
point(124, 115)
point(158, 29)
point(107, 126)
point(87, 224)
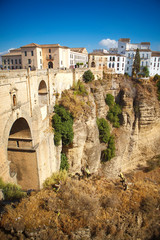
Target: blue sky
point(82, 23)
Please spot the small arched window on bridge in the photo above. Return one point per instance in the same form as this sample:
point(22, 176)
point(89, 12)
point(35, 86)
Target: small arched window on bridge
point(42, 93)
point(14, 100)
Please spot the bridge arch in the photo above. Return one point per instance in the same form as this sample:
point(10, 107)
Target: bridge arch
point(42, 93)
point(22, 155)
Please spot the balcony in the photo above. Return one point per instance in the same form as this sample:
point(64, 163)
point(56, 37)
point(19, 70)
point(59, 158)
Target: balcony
point(49, 57)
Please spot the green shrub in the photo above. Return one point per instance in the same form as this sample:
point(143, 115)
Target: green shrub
point(109, 100)
point(56, 178)
point(64, 162)
point(12, 191)
point(114, 111)
point(110, 151)
point(79, 89)
point(2, 184)
point(88, 76)
point(156, 78)
point(104, 130)
point(62, 123)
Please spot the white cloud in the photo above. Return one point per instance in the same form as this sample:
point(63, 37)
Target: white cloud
point(108, 43)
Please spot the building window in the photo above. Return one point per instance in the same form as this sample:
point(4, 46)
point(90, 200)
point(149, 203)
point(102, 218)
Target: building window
point(15, 61)
point(122, 65)
point(128, 54)
point(109, 65)
point(127, 68)
point(29, 61)
point(40, 53)
point(14, 100)
point(158, 65)
point(19, 61)
point(49, 50)
point(25, 53)
point(11, 61)
point(118, 59)
point(117, 64)
point(112, 65)
point(41, 61)
point(113, 58)
point(155, 59)
point(143, 55)
point(146, 63)
point(158, 59)
point(110, 58)
point(4, 61)
point(16, 67)
point(61, 62)
point(50, 56)
point(154, 64)
point(31, 53)
point(128, 62)
point(117, 69)
point(8, 61)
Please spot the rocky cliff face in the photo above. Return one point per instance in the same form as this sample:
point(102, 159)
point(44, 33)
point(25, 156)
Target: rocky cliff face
point(138, 137)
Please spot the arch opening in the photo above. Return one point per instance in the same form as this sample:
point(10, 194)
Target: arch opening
point(22, 155)
point(93, 64)
point(50, 65)
point(42, 93)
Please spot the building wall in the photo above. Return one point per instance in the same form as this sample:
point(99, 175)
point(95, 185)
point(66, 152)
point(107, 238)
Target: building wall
point(17, 62)
point(25, 63)
point(54, 55)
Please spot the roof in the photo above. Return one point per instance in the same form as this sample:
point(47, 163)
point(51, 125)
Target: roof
point(145, 43)
point(80, 50)
point(15, 50)
point(140, 50)
point(31, 45)
point(155, 54)
point(12, 54)
point(126, 40)
point(105, 54)
point(50, 45)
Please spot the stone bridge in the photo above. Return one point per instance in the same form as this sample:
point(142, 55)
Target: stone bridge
point(27, 152)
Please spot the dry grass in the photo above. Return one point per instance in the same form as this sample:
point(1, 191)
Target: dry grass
point(78, 105)
point(96, 205)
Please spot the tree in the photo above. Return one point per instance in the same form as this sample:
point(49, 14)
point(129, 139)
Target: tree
point(88, 76)
point(104, 130)
point(145, 71)
point(109, 100)
point(136, 64)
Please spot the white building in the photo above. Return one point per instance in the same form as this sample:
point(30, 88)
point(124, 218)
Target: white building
point(114, 62)
point(149, 58)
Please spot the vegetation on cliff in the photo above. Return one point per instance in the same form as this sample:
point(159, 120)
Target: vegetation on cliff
point(11, 191)
point(157, 80)
point(114, 111)
point(62, 122)
point(106, 137)
point(88, 76)
point(92, 208)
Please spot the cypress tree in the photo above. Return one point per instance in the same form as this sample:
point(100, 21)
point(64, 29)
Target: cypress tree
point(136, 64)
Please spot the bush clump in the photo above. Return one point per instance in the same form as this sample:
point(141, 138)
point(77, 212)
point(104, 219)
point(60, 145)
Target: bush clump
point(11, 191)
point(64, 162)
point(62, 123)
point(114, 111)
point(79, 89)
point(110, 151)
point(88, 76)
point(56, 178)
point(104, 130)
